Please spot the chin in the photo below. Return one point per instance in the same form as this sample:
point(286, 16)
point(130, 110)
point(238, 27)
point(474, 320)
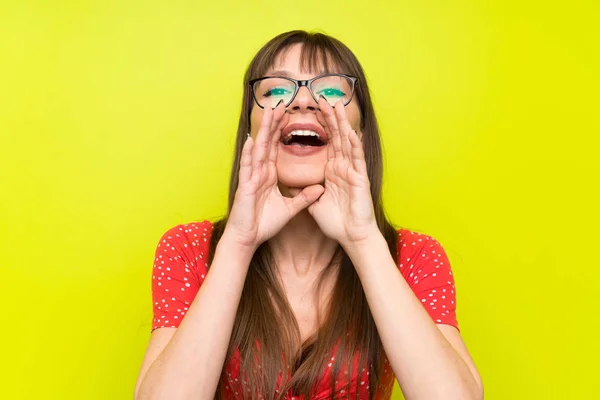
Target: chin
point(301, 177)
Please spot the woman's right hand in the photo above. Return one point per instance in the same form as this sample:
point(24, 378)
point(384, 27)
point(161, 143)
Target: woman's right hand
point(259, 209)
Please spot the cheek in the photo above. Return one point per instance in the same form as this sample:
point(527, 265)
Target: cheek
point(255, 118)
point(353, 113)
point(355, 122)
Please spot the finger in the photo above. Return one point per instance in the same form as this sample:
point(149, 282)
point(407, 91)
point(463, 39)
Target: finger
point(330, 151)
point(321, 119)
point(358, 153)
point(246, 161)
point(274, 131)
point(330, 118)
point(344, 127)
point(278, 112)
point(261, 145)
point(275, 139)
point(305, 198)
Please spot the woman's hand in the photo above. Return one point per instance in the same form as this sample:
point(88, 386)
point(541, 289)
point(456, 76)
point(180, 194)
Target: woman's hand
point(259, 210)
point(345, 210)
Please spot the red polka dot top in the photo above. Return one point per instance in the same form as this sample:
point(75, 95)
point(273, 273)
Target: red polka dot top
point(181, 264)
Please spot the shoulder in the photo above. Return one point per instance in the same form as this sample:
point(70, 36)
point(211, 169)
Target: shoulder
point(411, 243)
point(421, 256)
point(180, 266)
point(426, 268)
point(190, 231)
point(188, 243)
point(193, 235)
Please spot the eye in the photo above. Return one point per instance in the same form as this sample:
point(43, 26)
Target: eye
point(332, 92)
point(276, 92)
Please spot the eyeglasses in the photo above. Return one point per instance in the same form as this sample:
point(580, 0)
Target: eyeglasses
point(270, 90)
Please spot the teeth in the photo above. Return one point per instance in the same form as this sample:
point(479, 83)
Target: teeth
point(303, 133)
point(300, 132)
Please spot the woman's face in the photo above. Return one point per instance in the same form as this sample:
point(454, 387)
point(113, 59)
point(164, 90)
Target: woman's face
point(299, 165)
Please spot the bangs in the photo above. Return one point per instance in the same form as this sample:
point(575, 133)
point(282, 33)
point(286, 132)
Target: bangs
point(318, 55)
point(318, 58)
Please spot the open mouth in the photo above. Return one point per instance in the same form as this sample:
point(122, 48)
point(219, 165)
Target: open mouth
point(303, 138)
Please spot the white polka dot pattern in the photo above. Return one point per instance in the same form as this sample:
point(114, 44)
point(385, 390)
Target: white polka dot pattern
point(181, 265)
point(425, 266)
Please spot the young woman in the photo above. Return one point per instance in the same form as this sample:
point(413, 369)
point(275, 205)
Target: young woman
point(304, 290)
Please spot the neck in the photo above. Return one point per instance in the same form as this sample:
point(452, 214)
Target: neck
point(301, 248)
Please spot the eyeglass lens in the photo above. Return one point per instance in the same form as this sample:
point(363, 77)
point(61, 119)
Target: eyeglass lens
point(334, 88)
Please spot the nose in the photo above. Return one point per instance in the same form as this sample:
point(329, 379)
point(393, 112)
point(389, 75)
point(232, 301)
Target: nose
point(303, 102)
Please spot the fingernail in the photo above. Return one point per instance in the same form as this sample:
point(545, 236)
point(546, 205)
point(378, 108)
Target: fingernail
point(321, 96)
point(280, 101)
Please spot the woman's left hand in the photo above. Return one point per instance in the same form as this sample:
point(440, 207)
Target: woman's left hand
point(344, 211)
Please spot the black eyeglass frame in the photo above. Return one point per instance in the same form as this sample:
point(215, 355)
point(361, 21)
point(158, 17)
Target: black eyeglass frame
point(300, 83)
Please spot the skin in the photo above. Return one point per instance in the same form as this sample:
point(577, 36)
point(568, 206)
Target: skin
point(299, 172)
point(320, 201)
point(300, 269)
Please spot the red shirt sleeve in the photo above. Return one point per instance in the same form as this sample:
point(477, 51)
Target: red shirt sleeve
point(425, 266)
point(180, 266)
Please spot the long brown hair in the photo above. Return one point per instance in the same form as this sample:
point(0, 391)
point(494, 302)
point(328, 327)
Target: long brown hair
point(264, 315)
